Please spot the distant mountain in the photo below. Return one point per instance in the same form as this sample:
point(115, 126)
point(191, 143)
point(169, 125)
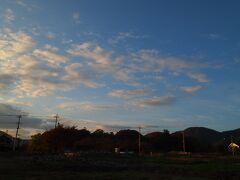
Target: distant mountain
point(210, 136)
point(235, 133)
point(228, 136)
point(6, 140)
point(5, 135)
point(203, 134)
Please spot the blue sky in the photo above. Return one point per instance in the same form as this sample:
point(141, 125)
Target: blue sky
point(115, 64)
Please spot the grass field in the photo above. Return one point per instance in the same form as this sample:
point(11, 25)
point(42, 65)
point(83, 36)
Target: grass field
point(102, 166)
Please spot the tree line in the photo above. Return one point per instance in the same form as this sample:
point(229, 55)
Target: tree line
point(62, 139)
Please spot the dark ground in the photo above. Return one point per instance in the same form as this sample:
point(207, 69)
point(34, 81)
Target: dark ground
point(109, 166)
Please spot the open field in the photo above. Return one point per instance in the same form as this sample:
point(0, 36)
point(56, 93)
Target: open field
point(99, 166)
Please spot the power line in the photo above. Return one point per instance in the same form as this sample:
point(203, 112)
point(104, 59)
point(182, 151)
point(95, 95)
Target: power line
point(27, 115)
point(5, 122)
point(11, 115)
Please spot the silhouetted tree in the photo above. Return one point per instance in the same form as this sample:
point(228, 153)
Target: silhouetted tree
point(127, 140)
point(58, 139)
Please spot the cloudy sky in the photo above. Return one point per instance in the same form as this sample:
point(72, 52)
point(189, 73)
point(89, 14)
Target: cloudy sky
point(163, 64)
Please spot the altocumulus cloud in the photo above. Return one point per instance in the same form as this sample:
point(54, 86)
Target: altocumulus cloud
point(199, 77)
point(29, 71)
point(191, 89)
point(86, 106)
point(9, 16)
point(128, 93)
point(75, 73)
point(101, 60)
point(154, 101)
point(14, 43)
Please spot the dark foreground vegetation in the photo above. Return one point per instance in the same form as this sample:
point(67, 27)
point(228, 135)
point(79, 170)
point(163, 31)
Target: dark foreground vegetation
point(116, 166)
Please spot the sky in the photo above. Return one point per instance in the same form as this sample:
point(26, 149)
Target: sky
point(110, 64)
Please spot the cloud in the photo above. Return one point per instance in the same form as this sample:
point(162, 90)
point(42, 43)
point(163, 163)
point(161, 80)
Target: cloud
point(6, 82)
point(29, 124)
point(9, 16)
point(9, 121)
point(155, 101)
point(35, 78)
point(14, 43)
point(191, 89)
point(76, 17)
point(50, 35)
point(23, 74)
point(121, 36)
point(50, 48)
point(39, 81)
point(101, 60)
point(27, 61)
point(25, 5)
point(92, 125)
point(113, 127)
point(9, 110)
point(13, 101)
point(27, 71)
point(85, 106)
point(49, 56)
point(64, 98)
point(75, 74)
point(199, 77)
point(127, 93)
point(214, 36)
point(151, 61)
point(127, 68)
point(43, 80)
point(40, 87)
point(236, 60)
point(93, 52)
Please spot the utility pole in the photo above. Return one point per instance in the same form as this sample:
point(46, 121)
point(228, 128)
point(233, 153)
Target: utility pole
point(56, 120)
point(183, 141)
point(139, 140)
point(16, 136)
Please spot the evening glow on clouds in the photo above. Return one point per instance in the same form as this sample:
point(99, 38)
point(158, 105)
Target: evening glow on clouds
point(119, 64)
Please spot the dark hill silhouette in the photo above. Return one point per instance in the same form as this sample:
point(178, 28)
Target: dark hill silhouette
point(235, 133)
point(228, 136)
point(4, 137)
point(210, 136)
point(202, 134)
point(5, 141)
